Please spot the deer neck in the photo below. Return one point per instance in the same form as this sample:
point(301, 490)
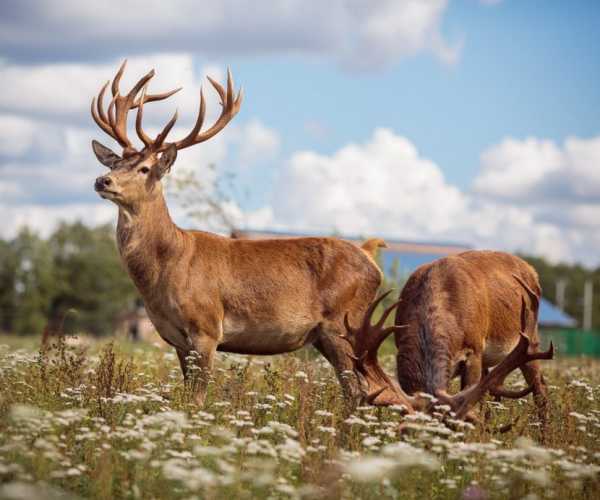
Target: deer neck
point(148, 240)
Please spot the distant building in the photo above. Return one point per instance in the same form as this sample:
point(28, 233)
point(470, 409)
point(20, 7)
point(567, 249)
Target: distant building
point(408, 255)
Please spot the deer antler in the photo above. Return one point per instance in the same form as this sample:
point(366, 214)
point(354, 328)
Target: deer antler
point(463, 401)
point(500, 391)
point(365, 341)
point(114, 123)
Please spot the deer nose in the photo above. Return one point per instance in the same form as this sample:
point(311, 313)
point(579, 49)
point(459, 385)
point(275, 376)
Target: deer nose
point(103, 182)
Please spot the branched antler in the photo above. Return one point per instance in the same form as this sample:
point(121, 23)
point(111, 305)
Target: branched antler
point(365, 341)
point(114, 121)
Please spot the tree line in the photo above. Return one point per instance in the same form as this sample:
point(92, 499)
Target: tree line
point(73, 280)
point(574, 277)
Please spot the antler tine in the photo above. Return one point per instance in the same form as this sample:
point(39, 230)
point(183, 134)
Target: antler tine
point(366, 323)
point(117, 79)
point(501, 392)
point(160, 138)
point(114, 122)
point(101, 123)
point(98, 114)
point(138, 120)
point(200, 119)
point(101, 101)
point(219, 88)
point(381, 389)
point(523, 315)
point(141, 83)
point(535, 300)
point(156, 97)
point(387, 312)
point(230, 105)
point(124, 104)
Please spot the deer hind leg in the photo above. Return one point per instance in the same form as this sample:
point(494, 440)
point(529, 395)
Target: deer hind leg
point(470, 374)
point(533, 375)
point(336, 350)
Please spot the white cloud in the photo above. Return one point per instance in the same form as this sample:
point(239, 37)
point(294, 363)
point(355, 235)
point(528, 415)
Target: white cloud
point(360, 35)
point(511, 168)
point(582, 166)
point(382, 187)
point(385, 187)
point(530, 169)
point(257, 143)
point(47, 172)
point(64, 91)
point(379, 186)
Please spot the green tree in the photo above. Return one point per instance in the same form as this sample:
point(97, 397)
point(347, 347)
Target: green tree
point(90, 279)
point(75, 276)
point(34, 282)
point(8, 276)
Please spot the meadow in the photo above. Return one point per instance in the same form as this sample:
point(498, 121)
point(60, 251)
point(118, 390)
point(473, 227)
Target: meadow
point(112, 419)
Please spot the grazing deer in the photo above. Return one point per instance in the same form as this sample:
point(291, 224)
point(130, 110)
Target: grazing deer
point(457, 316)
point(207, 293)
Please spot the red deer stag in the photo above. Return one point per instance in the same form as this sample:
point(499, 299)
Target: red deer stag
point(457, 316)
point(206, 293)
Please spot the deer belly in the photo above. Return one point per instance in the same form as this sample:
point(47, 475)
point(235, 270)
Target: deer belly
point(241, 338)
point(495, 351)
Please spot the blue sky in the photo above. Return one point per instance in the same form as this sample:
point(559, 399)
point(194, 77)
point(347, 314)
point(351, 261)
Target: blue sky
point(525, 69)
point(460, 120)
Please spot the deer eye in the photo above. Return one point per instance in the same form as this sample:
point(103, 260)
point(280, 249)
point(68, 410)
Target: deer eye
point(144, 170)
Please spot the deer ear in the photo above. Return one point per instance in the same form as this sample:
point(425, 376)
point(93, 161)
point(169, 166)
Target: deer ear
point(105, 155)
point(166, 160)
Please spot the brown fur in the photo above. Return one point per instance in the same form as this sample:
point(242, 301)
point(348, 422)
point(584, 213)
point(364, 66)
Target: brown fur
point(205, 292)
point(463, 317)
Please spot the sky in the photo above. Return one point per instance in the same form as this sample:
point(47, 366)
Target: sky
point(475, 122)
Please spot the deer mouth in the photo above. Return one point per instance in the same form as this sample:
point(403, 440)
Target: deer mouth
point(106, 193)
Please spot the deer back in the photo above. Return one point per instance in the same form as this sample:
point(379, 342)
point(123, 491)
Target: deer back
point(456, 306)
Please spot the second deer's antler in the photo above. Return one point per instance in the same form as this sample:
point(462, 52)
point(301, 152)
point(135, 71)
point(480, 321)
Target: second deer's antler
point(365, 340)
point(522, 354)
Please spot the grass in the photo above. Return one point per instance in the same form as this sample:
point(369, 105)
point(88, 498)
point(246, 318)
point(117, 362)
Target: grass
point(115, 421)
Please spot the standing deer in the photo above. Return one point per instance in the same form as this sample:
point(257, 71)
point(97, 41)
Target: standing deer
point(457, 316)
point(207, 293)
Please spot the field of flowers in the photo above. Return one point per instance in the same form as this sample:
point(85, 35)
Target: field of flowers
point(116, 421)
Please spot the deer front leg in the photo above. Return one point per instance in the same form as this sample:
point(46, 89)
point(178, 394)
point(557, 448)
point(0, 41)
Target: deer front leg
point(534, 378)
point(472, 371)
point(335, 350)
point(200, 360)
point(197, 360)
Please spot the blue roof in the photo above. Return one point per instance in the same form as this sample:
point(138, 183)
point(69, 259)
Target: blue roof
point(550, 315)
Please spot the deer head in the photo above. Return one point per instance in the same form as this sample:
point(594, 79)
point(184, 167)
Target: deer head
point(135, 175)
point(382, 390)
